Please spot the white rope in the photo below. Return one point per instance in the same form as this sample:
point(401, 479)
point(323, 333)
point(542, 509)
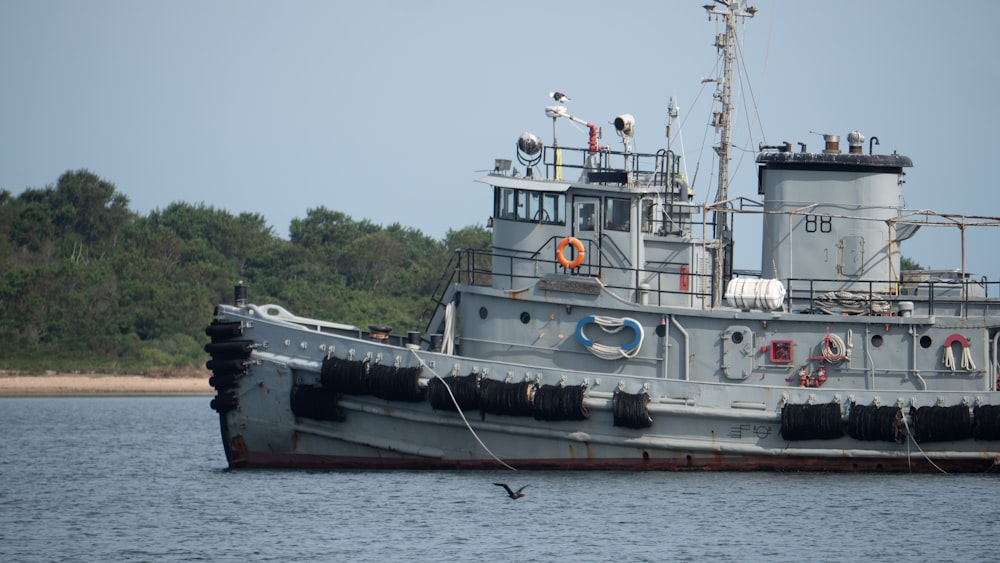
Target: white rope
point(967, 362)
point(448, 340)
point(459, 410)
point(606, 352)
point(949, 359)
point(613, 325)
point(852, 303)
point(833, 349)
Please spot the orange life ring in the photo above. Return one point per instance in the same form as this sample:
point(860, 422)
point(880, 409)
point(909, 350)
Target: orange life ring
point(561, 257)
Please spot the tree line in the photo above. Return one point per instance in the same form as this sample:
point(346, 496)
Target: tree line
point(87, 283)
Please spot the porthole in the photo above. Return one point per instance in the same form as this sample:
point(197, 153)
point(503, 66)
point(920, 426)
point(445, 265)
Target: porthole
point(737, 337)
point(483, 313)
point(877, 341)
point(925, 341)
point(525, 317)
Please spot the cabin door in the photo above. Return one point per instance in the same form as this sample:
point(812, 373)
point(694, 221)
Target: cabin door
point(603, 225)
point(617, 218)
point(587, 226)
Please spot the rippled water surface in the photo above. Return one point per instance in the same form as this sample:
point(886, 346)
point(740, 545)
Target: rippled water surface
point(145, 479)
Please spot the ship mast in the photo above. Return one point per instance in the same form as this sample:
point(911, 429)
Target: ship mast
point(726, 43)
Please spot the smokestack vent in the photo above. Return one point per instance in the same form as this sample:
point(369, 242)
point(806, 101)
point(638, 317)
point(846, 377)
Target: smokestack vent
point(856, 142)
point(832, 144)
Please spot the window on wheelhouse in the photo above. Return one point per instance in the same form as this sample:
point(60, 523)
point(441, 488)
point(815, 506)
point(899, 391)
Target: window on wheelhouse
point(648, 211)
point(586, 217)
point(506, 203)
point(530, 206)
point(532, 209)
point(553, 210)
point(617, 214)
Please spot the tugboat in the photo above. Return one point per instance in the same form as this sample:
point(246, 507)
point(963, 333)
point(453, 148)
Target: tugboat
point(605, 328)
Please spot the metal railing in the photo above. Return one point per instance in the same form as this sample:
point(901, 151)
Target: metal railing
point(476, 267)
point(962, 296)
point(655, 170)
point(653, 286)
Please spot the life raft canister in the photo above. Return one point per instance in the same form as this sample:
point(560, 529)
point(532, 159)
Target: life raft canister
point(561, 255)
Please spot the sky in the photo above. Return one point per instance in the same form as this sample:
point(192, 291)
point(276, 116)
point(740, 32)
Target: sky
point(390, 110)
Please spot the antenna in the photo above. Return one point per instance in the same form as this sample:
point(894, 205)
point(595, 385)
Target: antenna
point(726, 44)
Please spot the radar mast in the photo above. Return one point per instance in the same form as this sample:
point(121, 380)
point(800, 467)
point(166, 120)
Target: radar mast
point(730, 10)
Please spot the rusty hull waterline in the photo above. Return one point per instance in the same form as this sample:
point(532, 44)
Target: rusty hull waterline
point(642, 462)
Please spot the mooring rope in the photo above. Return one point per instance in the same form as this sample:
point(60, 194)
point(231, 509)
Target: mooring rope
point(915, 443)
point(460, 413)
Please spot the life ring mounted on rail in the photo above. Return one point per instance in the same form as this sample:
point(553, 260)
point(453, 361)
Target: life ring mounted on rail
point(561, 255)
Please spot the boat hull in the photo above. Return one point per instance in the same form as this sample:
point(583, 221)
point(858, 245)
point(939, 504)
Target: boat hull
point(601, 330)
point(685, 426)
point(272, 460)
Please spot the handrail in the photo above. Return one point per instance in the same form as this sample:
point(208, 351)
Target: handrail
point(635, 165)
point(476, 267)
point(930, 294)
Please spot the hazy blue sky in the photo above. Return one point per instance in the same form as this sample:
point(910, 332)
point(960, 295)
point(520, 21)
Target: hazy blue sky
point(390, 110)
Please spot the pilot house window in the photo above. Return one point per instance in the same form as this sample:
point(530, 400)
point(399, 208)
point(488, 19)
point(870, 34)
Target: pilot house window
point(616, 214)
point(585, 217)
point(529, 206)
point(552, 209)
point(506, 202)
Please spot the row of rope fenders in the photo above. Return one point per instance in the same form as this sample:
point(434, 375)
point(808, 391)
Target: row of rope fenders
point(457, 394)
point(566, 402)
point(887, 423)
point(933, 423)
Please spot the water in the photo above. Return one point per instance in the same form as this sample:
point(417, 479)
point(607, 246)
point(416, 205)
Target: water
point(145, 479)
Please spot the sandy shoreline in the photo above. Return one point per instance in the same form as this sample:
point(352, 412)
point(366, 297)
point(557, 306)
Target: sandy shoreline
point(101, 384)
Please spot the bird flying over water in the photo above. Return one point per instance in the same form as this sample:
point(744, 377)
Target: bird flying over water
point(559, 97)
point(511, 493)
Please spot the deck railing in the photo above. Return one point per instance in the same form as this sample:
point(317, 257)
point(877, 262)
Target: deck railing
point(606, 166)
point(659, 287)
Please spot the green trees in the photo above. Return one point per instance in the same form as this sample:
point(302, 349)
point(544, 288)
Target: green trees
point(368, 274)
point(87, 283)
point(56, 260)
point(81, 218)
point(909, 264)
